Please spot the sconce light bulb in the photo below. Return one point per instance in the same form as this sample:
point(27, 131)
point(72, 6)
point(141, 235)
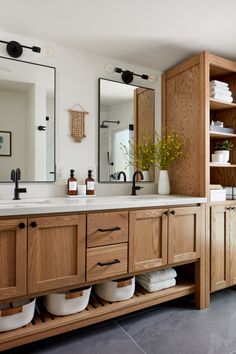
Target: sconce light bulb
point(48, 52)
point(152, 78)
point(109, 68)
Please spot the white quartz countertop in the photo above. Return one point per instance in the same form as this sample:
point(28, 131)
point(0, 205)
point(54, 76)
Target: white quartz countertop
point(75, 204)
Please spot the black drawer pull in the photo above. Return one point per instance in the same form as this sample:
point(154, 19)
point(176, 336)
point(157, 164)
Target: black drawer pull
point(172, 212)
point(108, 263)
point(33, 224)
point(117, 228)
point(166, 213)
point(21, 225)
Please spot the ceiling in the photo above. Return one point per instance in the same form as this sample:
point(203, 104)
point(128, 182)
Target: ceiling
point(152, 33)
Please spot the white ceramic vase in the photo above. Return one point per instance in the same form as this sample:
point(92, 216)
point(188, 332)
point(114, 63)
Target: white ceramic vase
point(146, 176)
point(163, 182)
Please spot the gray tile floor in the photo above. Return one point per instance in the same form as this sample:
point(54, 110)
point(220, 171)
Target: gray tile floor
point(171, 328)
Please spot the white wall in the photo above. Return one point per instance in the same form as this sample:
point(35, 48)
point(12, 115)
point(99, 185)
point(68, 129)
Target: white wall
point(77, 81)
point(13, 119)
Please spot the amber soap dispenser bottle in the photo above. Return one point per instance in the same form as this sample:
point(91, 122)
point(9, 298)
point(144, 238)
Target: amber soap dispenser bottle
point(72, 184)
point(89, 183)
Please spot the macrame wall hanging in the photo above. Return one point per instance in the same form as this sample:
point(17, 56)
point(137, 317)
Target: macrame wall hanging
point(77, 122)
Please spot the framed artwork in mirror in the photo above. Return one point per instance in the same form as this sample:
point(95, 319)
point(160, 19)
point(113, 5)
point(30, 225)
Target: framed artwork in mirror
point(5, 143)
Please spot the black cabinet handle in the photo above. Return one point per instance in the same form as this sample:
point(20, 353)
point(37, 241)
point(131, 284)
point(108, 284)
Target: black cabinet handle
point(21, 225)
point(33, 224)
point(166, 212)
point(42, 127)
point(172, 212)
point(116, 228)
point(229, 208)
point(115, 261)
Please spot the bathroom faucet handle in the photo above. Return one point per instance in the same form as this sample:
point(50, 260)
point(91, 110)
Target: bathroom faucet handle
point(13, 175)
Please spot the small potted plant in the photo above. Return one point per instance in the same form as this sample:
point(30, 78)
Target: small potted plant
point(223, 147)
point(141, 155)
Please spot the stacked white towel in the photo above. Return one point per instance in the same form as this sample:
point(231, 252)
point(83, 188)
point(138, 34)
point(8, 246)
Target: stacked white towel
point(157, 280)
point(219, 90)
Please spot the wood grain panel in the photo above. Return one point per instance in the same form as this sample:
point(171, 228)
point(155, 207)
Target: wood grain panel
point(56, 255)
point(219, 248)
point(183, 112)
point(106, 254)
point(144, 118)
point(232, 246)
point(184, 234)
point(105, 221)
point(13, 241)
point(148, 239)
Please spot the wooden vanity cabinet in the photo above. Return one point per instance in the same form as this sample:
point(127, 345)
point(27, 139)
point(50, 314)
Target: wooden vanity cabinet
point(13, 248)
point(56, 252)
point(164, 236)
point(223, 246)
point(148, 239)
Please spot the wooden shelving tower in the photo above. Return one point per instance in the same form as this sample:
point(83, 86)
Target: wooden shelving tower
point(188, 107)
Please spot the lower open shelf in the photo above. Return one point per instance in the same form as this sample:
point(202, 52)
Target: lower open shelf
point(45, 325)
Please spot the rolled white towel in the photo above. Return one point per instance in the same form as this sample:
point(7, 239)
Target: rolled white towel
point(158, 275)
point(151, 287)
point(219, 83)
point(220, 91)
point(221, 97)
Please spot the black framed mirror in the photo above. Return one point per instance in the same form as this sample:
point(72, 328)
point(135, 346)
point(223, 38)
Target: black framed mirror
point(126, 112)
point(27, 114)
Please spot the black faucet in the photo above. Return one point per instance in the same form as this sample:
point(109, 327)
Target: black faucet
point(15, 177)
point(122, 173)
point(134, 187)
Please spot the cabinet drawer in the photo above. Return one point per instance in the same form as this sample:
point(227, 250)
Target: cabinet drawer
point(107, 228)
point(107, 261)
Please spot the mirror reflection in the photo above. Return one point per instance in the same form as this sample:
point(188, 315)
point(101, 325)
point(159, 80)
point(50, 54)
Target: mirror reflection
point(27, 105)
point(126, 113)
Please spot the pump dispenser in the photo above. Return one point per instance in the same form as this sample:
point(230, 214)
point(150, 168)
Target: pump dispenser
point(72, 184)
point(89, 183)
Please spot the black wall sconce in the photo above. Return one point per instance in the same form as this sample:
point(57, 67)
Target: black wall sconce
point(127, 76)
point(15, 49)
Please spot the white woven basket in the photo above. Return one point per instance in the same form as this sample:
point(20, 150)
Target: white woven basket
point(67, 302)
point(116, 290)
point(17, 315)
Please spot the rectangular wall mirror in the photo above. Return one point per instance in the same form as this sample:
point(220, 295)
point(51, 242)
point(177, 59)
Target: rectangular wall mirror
point(27, 120)
point(126, 113)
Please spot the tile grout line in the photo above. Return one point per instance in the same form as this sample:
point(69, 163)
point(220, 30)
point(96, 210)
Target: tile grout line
point(130, 337)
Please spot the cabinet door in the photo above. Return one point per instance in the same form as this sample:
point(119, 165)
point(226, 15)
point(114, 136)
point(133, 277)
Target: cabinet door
point(56, 252)
point(13, 245)
point(231, 222)
point(148, 239)
point(184, 234)
point(219, 247)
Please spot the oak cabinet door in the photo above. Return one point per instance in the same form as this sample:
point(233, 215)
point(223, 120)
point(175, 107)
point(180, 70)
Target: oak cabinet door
point(13, 259)
point(231, 222)
point(219, 247)
point(148, 239)
point(56, 252)
point(184, 234)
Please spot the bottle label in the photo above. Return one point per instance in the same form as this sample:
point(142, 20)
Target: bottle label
point(90, 186)
point(72, 186)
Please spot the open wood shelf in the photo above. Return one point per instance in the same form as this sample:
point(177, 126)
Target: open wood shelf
point(217, 105)
point(221, 165)
point(45, 325)
point(220, 135)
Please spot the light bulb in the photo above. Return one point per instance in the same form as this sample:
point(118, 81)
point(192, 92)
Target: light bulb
point(152, 77)
point(109, 68)
point(48, 52)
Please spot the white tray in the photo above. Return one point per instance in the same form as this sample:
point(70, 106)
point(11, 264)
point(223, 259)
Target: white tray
point(80, 196)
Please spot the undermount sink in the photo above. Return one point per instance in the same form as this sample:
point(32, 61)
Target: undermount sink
point(24, 202)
